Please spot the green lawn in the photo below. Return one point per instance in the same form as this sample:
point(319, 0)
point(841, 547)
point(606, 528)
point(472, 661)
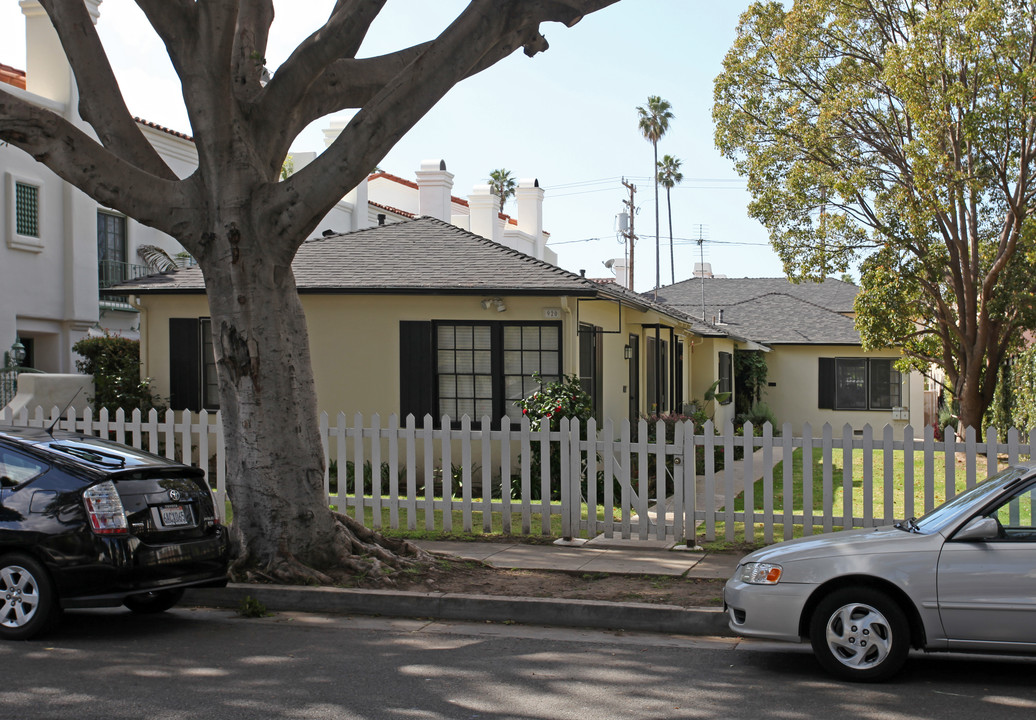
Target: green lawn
point(876, 504)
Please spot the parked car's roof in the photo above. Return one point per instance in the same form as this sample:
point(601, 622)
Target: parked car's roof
point(84, 449)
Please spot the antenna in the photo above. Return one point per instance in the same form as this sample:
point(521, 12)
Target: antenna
point(50, 430)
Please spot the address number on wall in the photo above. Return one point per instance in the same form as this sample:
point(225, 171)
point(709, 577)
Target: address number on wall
point(552, 313)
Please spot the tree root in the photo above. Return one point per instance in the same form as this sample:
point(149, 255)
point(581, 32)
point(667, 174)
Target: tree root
point(354, 552)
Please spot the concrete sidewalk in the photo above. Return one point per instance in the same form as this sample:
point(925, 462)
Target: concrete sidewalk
point(625, 557)
point(643, 559)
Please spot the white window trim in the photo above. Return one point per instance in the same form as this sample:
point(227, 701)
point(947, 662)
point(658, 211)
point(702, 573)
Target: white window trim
point(16, 241)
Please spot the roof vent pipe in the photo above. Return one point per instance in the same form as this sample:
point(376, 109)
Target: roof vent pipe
point(381, 218)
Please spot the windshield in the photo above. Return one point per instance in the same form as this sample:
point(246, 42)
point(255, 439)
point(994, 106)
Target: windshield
point(938, 518)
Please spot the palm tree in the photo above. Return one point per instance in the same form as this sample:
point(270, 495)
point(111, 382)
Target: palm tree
point(669, 175)
point(653, 124)
point(502, 185)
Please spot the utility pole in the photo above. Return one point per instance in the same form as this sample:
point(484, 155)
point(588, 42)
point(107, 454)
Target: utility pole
point(630, 236)
point(701, 252)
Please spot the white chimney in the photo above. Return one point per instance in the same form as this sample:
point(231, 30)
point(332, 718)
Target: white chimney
point(47, 72)
point(485, 211)
point(332, 131)
point(434, 185)
point(357, 197)
point(530, 212)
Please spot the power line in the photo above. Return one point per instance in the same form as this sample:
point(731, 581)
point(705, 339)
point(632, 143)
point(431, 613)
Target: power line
point(676, 240)
point(642, 178)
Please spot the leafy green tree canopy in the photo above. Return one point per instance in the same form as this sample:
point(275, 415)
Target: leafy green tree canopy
point(899, 138)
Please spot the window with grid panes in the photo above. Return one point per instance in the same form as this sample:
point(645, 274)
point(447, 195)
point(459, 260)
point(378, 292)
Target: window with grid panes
point(528, 349)
point(481, 369)
point(26, 209)
point(111, 249)
point(464, 368)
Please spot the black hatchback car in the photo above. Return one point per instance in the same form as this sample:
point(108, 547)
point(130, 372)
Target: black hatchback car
point(85, 522)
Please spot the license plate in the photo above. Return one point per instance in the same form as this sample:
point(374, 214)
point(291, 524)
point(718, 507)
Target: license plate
point(173, 515)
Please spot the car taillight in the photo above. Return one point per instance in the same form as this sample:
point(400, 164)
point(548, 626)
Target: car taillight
point(104, 506)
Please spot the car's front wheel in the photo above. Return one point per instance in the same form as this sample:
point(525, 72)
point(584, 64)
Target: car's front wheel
point(860, 634)
point(153, 602)
point(28, 603)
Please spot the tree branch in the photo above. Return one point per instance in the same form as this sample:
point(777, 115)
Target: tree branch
point(77, 158)
point(253, 32)
point(339, 38)
point(101, 103)
point(485, 32)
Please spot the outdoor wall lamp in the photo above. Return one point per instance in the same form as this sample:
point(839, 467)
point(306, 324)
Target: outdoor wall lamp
point(627, 352)
point(14, 357)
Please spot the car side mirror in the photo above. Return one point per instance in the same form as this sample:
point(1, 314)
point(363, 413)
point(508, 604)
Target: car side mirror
point(980, 528)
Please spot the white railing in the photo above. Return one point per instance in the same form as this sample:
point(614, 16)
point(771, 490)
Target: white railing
point(476, 478)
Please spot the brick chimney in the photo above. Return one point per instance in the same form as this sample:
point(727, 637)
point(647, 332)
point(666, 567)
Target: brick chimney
point(434, 185)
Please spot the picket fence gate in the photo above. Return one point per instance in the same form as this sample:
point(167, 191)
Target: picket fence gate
point(396, 476)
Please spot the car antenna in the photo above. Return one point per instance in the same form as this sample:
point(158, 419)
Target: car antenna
point(50, 430)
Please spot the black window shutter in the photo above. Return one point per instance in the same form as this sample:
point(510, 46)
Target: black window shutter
point(184, 364)
point(416, 371)
point(826, 386)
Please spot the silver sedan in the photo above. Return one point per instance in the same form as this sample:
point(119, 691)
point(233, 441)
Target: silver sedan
point(962, 578)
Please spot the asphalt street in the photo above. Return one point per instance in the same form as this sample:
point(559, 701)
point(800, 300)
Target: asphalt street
point(211, 664)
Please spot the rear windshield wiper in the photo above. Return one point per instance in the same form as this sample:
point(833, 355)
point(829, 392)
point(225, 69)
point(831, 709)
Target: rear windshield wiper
point(98, 457)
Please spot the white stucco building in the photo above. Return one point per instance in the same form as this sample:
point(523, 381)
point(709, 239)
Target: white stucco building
point(57, 242)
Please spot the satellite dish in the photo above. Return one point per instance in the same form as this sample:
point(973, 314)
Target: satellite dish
point(608, 263)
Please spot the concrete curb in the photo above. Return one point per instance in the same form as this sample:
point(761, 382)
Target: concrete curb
point(477, 608)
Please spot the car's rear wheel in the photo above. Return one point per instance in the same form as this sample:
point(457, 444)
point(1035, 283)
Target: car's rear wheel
point(860, 634)
point(28, 603)
point(153, 602)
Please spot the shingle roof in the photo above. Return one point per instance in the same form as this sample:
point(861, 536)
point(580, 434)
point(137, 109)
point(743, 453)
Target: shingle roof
point(772, 310)
point(421, 255)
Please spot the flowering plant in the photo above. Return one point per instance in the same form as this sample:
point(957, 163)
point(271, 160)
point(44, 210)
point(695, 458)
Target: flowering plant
point(555, 400)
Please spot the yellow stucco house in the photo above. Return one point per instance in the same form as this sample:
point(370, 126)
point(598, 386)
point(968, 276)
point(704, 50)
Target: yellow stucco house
point(422, 316)
point(817, 370)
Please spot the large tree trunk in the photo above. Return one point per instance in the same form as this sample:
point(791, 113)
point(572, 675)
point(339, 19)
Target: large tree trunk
point(283, 526)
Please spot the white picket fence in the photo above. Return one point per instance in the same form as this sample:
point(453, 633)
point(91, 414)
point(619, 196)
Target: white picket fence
point(473, 478)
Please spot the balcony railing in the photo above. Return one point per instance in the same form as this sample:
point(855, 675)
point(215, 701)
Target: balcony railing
point(112, 272)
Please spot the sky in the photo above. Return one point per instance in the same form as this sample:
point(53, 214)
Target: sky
point(567, 117)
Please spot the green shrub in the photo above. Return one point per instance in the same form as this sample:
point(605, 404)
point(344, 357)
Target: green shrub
point(1014, 403)
point(749, 379)
point(564, 398)
point(114, 363)
point(759, 414)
